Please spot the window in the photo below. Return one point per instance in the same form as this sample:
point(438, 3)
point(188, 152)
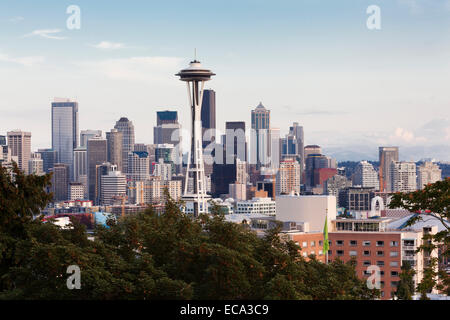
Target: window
point(380, 253)
point(313, 252)
point(353, 243)
point(340, 252)
point(352, 253)
point(394, 273)
point(394, 254)
point(393, 263)
point(313, 243)
point(394, 284)
point(394, 243)
point(382, 294)
point(320, 252)
point(366, 273)
point(305, 254)
point(320, 243)
point(380, 243)
point(366, 253)
point(381, 284)
point(366, 243)
point(330, 252)
point(339, 242)
point(366, 263)
point(305, 244)
point(380, 263)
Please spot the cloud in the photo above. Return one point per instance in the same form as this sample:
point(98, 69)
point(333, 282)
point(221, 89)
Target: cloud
point(16, 19)
point(46, 33)
point(135, 68)
point(24, 61)
point(106, 45)
point(402, 135)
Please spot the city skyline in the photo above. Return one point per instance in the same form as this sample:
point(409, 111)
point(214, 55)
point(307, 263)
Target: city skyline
point(352, 89)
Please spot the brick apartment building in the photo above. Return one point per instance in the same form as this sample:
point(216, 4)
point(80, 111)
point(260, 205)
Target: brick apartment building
point(370, 242)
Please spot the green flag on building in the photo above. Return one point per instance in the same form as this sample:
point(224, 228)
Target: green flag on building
point(326, 245)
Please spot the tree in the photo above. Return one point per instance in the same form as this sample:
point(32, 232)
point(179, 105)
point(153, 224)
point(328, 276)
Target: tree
point(432, 201)
point(405, 287)
point(151, 255)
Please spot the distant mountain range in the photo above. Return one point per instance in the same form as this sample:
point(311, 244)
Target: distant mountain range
point(410, 153)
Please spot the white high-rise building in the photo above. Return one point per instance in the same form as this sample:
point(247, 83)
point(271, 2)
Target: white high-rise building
point(163, 170)
point(138, 166)
point(428, 172)
point(36, 164)
point(403, 176)
point(77, 191)
point(366, 176)
point(113, 184)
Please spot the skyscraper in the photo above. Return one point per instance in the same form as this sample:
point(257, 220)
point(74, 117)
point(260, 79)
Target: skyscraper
point(20, 144)
point(115, 148)
point(235, 144)
point(36, 164)
point(49, 157)
point(60, 181)
point(208, 114)
point(366, 176)
point(113, 184)
point(428, 172)
point(85, 135)
point(260, 145)
point(297, 131)
point(167, 133)
point(96, 155)
point(403, 176)
point(127, 128)
point(2, 141)
point(65, 130)
point(79, 163)
point(138, 166)
point(288, 177)
point(386, 156)
point(165, 117)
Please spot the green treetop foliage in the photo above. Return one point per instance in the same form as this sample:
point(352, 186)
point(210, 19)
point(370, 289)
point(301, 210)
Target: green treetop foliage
point(158, 256)
point(432, 201)
point(405, 287)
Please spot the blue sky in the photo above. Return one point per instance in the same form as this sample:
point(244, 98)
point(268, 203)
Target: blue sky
point(313, 62)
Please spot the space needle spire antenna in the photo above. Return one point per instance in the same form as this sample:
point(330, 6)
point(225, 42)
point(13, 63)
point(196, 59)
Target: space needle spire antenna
point(195, 76)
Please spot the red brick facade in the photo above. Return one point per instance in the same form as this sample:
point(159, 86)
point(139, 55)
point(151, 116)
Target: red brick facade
point(382, 249)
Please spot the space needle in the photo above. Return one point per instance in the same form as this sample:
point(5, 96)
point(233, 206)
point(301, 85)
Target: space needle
point(195, 76)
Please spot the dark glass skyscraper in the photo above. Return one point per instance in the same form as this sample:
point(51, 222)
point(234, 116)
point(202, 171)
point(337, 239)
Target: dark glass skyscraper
point(2, 140)
point(96, 155)
point(49, 157)
point(208, 114)
point(165, 117)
